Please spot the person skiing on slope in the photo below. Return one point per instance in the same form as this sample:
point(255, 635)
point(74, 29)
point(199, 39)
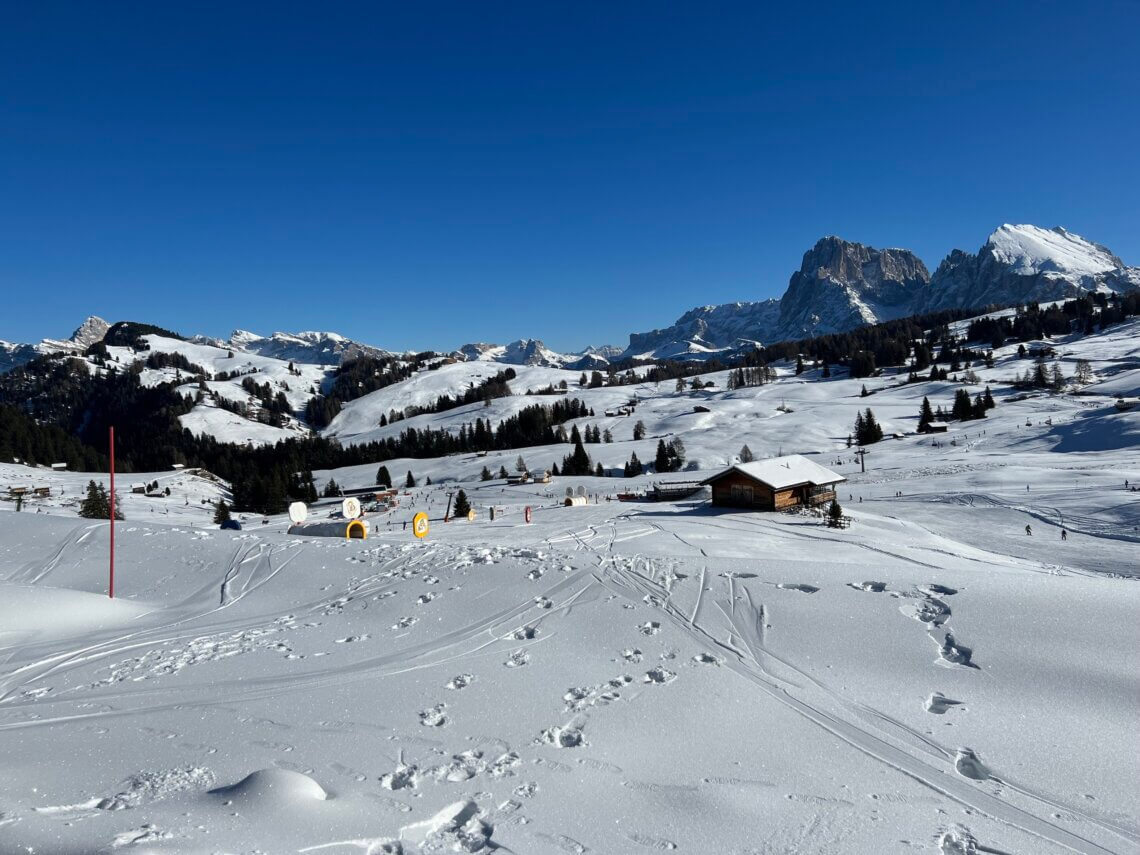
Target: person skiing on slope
point(1064, 535)
point(1029, 531)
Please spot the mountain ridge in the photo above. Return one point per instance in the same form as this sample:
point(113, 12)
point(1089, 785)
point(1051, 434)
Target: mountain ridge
point(839, 285)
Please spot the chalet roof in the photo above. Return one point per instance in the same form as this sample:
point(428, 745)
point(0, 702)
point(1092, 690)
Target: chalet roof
point(780, 473)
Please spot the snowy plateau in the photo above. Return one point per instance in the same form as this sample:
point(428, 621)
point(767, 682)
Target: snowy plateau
point(946, 675)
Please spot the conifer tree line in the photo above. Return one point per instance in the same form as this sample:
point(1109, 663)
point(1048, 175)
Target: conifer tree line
point(58, 412)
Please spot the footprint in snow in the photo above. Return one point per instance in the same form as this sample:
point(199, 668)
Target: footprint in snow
point(460, 682)
point(517, 659)
point(543, 602)
point(404, 622)
point(434, 717)
point(938, 590)
point(870, 587)
point(525, 633)
point(938, 703)
point(705, 659)
point(650, 627)
point(563, 737)
point(631, 654)
point(794, 586)
point(969, 765)
point(659, 675)
point(352, 638)
point(423, 599)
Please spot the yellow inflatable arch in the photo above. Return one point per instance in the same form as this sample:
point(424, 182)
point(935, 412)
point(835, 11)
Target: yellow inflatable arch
point(356, 530)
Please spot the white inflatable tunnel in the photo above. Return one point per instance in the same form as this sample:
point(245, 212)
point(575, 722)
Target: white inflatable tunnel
point(348, 529)
point(574, 501)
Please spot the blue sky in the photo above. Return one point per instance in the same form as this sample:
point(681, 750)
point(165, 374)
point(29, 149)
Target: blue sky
point(422, 176)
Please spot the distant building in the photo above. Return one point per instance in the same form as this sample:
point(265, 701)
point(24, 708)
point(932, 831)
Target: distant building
point(59, 467)
point(540, 476)
point(937, 427)
point(774, 484)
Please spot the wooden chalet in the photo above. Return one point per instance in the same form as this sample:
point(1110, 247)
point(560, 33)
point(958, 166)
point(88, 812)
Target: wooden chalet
point(774, 485)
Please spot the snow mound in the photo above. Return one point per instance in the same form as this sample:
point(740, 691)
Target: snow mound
point(274, 786)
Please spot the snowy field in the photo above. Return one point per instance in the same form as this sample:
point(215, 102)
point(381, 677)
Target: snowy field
point(615, 678)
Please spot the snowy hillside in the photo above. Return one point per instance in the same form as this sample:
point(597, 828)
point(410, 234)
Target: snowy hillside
point(617, 677)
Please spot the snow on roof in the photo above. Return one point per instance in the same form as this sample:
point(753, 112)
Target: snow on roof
point(782, 472)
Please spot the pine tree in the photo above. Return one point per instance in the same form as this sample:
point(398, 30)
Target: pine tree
point(661, 462)
point(332, 489)
point(503, 473)
point(988, 399)
point(633, 468)
point(409, 481)
point(1056, 378)
point(599, 471)
point(96, 505)
point(462, 506)
point(221, 512)
point(676, 454)
point(826, 370)
point(427, 481)
point(746, 455)
point(867, 430)
point(607, 436)
point(382, 476)
point(925, 415)
point(520, 464)
point(799, 364)
point(962, 410)
point(485, 475)
point(639, 430)
point(864, 393)
point(834, 514)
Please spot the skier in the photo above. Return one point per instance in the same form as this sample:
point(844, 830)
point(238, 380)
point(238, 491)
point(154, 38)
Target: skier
point(1064, 535)
point(1029, 531)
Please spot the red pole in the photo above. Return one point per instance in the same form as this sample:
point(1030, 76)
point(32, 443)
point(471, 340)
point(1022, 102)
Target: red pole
point(111, 583)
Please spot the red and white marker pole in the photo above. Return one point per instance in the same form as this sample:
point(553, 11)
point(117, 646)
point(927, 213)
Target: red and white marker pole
point(111, 581)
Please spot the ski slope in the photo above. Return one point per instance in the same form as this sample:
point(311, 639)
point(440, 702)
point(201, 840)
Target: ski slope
point(619, 677)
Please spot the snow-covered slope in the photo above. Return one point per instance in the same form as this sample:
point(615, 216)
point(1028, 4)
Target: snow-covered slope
point(616, 677)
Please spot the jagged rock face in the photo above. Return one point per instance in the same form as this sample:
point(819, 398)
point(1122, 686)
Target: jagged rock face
point(90, 331)
point(321, 348)
point(708, 330)
point(1021, 264)
point(841, 285)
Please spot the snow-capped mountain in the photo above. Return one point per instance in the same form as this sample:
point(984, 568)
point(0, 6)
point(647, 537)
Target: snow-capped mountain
point(708, 331)
point(840, 285)
point(1023, 263)
point(15, 354)
point(531, 351)
point(319, 348)
point(90, 331)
